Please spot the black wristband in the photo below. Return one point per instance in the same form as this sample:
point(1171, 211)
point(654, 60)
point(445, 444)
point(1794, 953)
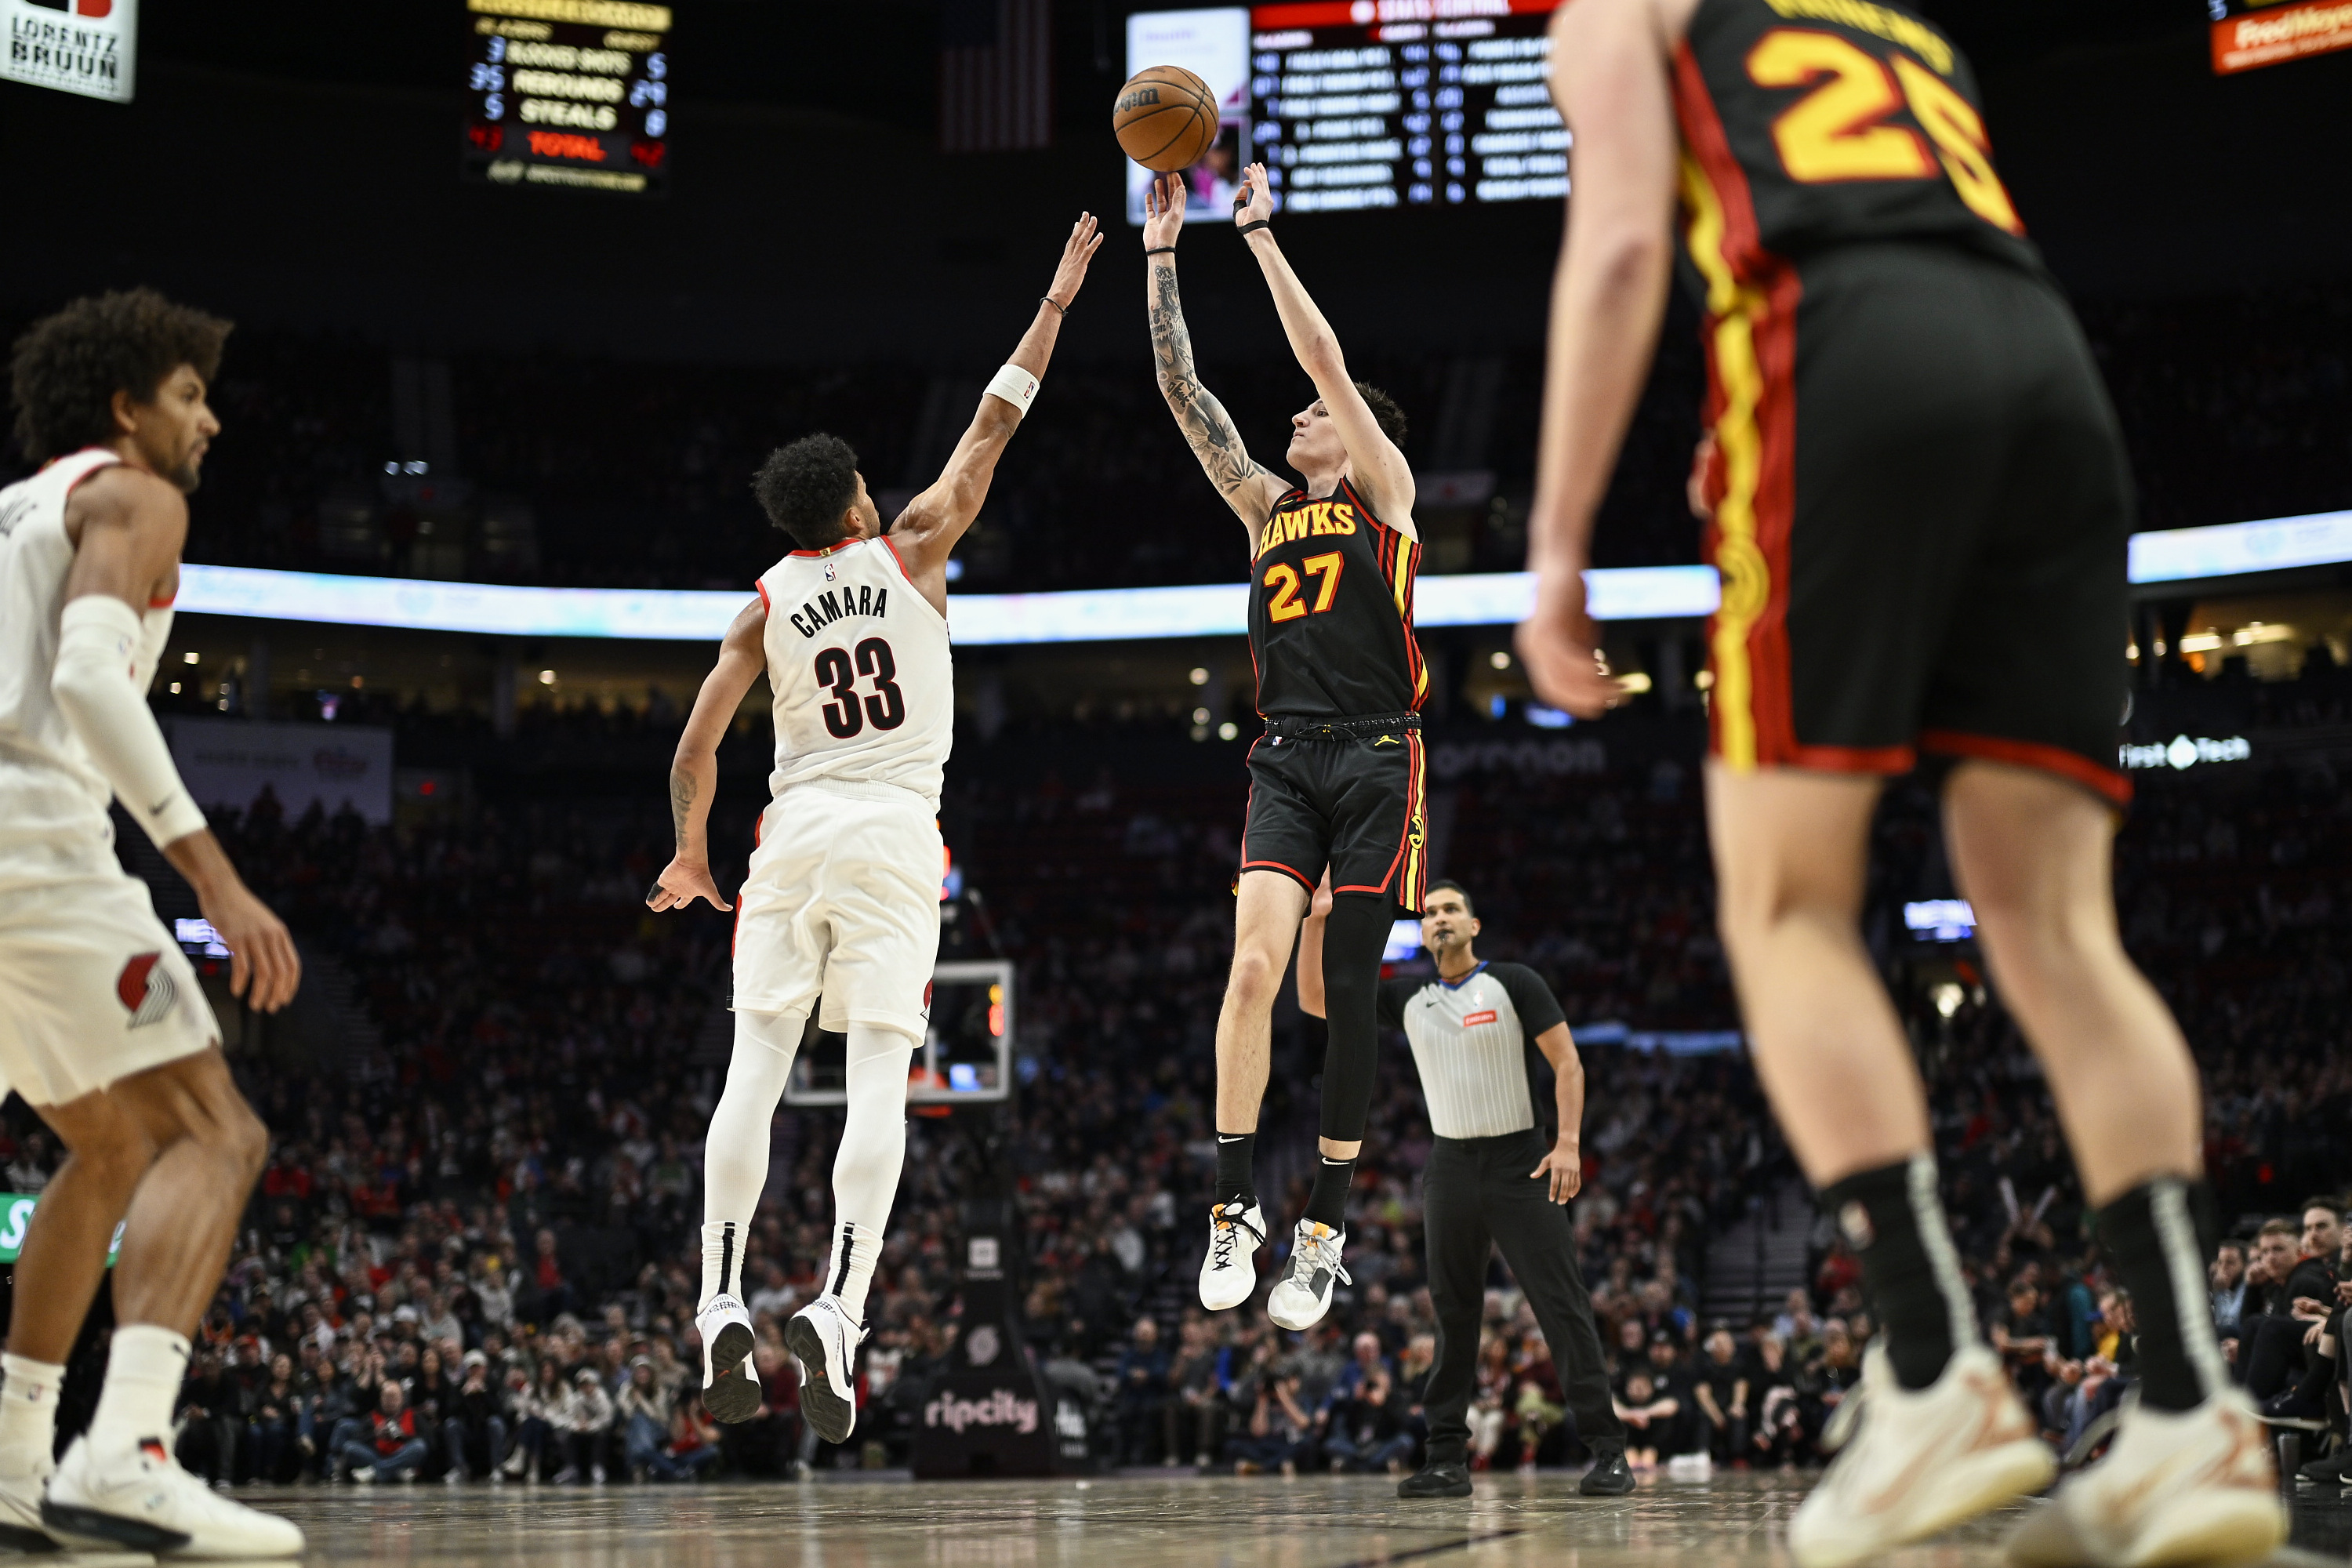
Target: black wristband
point(1161, 250)
point(1262, 223)
point(1059, 307)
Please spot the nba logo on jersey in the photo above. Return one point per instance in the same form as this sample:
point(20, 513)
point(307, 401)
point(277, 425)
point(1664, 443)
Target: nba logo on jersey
point(829, 573)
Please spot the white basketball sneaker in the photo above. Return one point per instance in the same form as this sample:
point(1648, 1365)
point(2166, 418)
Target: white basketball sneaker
point(1229, 1273)
point(2178, 1487)
point(824, 1341)
point(1301, 1298)
point(142, 1500)
point(730, 1385)
point(20, 1511)
point(1923, 1461)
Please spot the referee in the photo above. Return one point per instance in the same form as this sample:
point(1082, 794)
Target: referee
point(1469, 1029)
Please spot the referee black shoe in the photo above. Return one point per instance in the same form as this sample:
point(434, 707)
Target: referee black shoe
point(1441, 1481)
point(1609, 1477)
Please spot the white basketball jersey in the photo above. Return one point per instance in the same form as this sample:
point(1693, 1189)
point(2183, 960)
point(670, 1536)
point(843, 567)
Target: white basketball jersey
point(859, 660)
point(47, 782)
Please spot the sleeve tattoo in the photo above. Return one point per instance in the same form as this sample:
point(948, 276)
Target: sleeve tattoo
point(1206, 425)
point(681, 801)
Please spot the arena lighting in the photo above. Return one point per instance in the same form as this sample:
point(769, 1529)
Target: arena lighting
point(2234, 549)
point(1121, 614)
point(1108, 615)
point(1940, 919)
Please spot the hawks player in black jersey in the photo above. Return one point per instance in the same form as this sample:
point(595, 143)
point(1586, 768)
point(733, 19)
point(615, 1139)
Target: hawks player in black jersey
point(1919, 503)
point(1336, 781)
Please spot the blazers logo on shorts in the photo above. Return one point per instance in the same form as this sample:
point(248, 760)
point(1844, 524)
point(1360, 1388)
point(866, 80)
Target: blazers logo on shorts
point(146, 992)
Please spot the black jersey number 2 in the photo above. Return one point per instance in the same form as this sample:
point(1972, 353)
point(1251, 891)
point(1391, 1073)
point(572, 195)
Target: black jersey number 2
point(848, 713)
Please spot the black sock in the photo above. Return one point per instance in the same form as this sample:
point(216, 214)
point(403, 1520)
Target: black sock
point(1237, 1166)
point(1893, 1220)
point(1327, 1203)
point(2160, 1235)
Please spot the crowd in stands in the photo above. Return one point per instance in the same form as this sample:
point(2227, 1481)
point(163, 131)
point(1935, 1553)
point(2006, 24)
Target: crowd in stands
point(473, 1250)
point(637, 474)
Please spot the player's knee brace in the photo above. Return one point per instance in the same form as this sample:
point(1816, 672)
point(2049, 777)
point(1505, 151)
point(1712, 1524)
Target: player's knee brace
point(1353, 939)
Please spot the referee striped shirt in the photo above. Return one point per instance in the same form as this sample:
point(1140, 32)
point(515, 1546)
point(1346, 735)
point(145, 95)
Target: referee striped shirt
point(1469, 1039)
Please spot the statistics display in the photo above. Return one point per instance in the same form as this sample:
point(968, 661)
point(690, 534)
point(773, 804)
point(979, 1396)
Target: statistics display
point(568, 93)
point(1386, 103)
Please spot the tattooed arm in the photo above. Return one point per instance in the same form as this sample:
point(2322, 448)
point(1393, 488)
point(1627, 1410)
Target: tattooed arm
point(1249, 487)
point(694, 772)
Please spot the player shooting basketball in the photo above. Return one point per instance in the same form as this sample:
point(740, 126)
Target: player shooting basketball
point(1337, 780)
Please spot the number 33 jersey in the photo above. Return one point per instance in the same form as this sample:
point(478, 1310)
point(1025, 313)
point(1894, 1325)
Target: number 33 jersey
point(858, 661)
point(1814, 123)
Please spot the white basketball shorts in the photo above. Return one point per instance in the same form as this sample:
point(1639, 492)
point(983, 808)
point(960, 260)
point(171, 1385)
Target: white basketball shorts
point(93, 987)
point(841, 901)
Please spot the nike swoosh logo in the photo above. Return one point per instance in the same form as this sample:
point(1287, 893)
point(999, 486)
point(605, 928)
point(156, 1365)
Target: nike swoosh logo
point(1223, 1138)
point(157, 809)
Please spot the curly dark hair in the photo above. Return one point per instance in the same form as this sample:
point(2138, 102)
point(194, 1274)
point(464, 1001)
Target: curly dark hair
point(1385, 411)
point(806, 486)
point(67, 368)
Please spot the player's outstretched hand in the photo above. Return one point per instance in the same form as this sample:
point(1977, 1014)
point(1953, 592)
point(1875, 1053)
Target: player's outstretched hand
point(1255, 204)
point(681, 883)
point(263, 966)
point(1086, 238)
point(1163, 211)
point(1561, 650)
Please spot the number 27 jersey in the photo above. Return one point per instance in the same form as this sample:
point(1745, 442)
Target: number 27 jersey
point(860, 665)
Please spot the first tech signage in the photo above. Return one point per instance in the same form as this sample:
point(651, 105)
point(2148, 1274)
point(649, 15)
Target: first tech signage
point(85, 46)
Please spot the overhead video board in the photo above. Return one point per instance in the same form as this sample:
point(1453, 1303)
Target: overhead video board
point(1357, 104)
point(1387, 103)
point(568, 93)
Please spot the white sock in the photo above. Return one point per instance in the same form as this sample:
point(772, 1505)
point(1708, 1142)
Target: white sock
point(144, 1372)
point(735, 1155)
point(873, 1153)
point(851, 1269)
point(723, 1259)
point(28, 1413)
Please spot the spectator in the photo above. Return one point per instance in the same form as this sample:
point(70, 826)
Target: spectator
point(2227, 1278)
point(544, 1406)
point(1721, 1388)
point(270, 1433)
point(588, 1430)
point(1650, 1418)
point(1357, 1419)
point(1279, 1429)
point(392, 1451)
point(1143, 1396)
point(474, 1423)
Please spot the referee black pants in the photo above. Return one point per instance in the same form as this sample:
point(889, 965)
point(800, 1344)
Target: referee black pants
point(1477, 1194)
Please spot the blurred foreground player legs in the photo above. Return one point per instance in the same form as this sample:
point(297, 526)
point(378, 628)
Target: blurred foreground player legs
point(103, 1029)
point(1918, 508)
point(1336, 779)
point(841, 898)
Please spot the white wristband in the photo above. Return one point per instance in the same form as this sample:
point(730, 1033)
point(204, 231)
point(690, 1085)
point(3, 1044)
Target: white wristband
point(1015, 386)
point(94, 685)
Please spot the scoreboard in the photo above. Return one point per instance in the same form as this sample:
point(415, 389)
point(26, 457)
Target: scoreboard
point(1385, 104)
point(568, 93)
point(1367, 103)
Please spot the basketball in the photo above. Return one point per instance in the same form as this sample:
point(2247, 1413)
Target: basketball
point(1165, 118)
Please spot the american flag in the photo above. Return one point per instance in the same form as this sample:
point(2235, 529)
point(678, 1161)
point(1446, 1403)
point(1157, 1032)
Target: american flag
point(996, 75)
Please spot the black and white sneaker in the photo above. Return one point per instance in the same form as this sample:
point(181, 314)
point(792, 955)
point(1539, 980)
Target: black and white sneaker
point(1301, 1298)
point(730, 1388)
point(824, 1341)
point(1229, 1273)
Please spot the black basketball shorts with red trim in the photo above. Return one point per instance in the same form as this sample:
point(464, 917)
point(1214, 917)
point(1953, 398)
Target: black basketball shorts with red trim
point(1355, 804)
point(1923, 542)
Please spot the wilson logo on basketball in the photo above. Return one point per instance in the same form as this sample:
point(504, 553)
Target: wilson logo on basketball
point(1475, 1019)
point(146, 993)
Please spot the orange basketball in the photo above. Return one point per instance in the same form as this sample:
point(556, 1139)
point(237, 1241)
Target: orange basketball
point(1165, 118)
